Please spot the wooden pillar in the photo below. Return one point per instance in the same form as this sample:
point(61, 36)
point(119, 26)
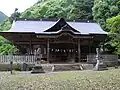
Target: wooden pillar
point(90, 46)
point(30, 45)
point(44, 51)
point(74, 52)
point(79, 51)
point(30, 49)
point(74, 55)
point(104, 46)
point(48, 50)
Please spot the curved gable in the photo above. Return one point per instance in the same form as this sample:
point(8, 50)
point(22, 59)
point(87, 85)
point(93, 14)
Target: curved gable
point(61, 25)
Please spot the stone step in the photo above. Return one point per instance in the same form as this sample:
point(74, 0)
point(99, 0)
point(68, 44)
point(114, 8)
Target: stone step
point(37, 69)
point(100, 67)
point(87, 66)
point(66, 67)
point(60, 67)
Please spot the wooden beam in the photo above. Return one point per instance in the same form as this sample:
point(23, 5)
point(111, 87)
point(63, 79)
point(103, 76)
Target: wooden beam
point(56, 36)
point(37, 43)
point(63, 42)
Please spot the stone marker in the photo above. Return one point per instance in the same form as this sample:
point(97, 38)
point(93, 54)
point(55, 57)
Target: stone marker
point(37, 68)
point(99, 65)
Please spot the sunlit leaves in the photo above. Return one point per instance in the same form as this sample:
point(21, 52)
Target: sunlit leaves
point(113, 24)
point(6, 25)
point(104, 9)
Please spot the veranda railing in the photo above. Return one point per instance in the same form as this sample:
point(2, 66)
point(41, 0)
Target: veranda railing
point(106, 58)
point(5, 59)
point(31, 59)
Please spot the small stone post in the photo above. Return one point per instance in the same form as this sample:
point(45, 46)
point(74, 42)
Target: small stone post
point(11, 62)
point(11, 66)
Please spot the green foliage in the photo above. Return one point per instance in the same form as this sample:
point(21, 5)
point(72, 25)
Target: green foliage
point(3, 40)
point(84, 8)
point(5, 25)
point(104, 9)
point(70, 9)
point(113, 24)
point(6, 47)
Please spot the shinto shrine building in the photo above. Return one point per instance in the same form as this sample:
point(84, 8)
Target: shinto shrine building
point(58, 40)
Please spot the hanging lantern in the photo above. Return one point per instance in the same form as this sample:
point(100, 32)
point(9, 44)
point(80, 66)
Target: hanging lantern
point(52, 50)
point(55, 50)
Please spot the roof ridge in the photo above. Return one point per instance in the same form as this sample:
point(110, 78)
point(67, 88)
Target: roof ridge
point(55, 19)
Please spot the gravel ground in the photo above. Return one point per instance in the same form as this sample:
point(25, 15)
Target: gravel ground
point(68, 80)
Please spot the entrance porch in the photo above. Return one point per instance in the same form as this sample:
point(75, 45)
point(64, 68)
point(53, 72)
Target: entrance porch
point(64, 49)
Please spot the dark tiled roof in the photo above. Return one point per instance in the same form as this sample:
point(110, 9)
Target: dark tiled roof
point(52, 26)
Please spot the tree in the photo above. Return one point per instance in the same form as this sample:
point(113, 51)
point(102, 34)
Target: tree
point(83, 9)
point(6, 47)
point(104, 9)
point(113, 24)
point(69, 9)
point(5, 25)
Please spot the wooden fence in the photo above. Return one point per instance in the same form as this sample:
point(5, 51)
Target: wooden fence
point(106, 58)
point(5, 59)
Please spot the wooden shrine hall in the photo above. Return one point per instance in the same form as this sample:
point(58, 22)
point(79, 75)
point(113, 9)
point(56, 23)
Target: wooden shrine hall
point(56, 40)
